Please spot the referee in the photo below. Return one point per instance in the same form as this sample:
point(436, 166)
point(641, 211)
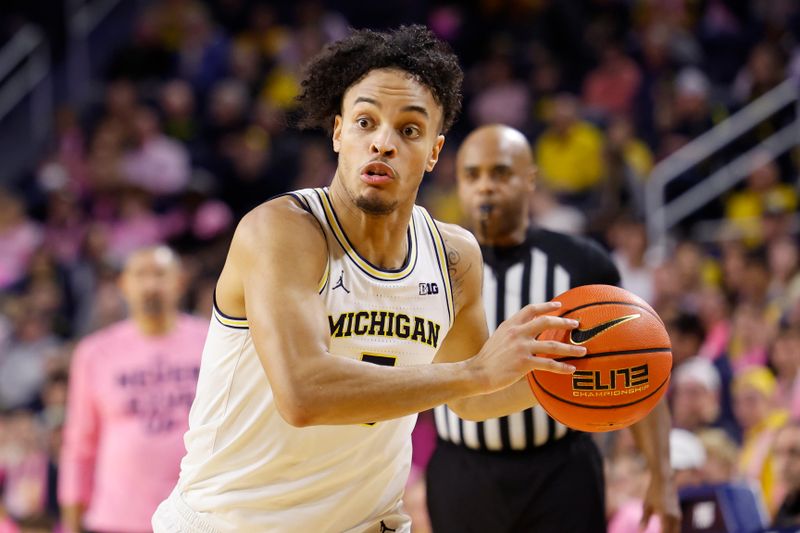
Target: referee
point(527, 472)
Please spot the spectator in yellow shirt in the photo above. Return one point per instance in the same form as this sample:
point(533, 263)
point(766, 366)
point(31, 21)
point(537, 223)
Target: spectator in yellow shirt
point(753, 391)
point(764, 193)
point(570, 152)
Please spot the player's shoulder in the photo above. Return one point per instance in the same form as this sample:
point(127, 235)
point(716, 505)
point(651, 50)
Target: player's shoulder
point(281, 235)
point(464, 262)
point(278, 214)
point(459, 240)
point(281, 220)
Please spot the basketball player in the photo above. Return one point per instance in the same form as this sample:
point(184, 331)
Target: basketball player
point(130, 389)
point(527, 472)
point(330, 308)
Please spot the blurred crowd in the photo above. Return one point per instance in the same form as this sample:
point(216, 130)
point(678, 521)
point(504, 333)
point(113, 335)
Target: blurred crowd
point(192, 127)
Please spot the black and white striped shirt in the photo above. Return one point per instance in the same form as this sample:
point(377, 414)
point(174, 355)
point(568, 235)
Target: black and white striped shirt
point(545, 265)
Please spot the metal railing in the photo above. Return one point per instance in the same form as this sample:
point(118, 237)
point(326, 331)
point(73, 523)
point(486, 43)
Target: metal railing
point(663, 215)
point(82, 18)
point(28, 78)
point(717, 230)
point(24, 68)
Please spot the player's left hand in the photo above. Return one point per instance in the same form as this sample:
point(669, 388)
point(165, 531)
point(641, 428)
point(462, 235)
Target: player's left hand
point(662, 499)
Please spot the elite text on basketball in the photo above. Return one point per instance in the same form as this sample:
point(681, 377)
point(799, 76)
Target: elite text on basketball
point(613, 382)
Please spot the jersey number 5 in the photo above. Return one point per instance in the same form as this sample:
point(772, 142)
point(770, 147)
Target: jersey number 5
point(378, 359)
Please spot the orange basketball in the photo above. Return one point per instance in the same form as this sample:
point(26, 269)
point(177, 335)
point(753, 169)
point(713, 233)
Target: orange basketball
point(625, 370)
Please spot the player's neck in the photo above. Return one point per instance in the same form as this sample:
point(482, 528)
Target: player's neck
point(380, 239)
point(155, 326)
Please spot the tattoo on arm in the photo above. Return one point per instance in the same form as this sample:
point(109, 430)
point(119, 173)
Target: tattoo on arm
point(458, 270)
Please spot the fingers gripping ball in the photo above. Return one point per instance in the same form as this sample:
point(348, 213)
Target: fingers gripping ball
point(627, 364)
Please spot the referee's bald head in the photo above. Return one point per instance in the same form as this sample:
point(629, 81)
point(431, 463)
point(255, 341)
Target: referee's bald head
point(498, 137)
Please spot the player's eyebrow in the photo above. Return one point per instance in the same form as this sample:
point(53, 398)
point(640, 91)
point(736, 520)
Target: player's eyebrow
point(367, 100)
point(415, 108)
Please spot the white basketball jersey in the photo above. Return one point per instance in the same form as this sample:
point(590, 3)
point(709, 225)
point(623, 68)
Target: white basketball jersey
point(246, 469)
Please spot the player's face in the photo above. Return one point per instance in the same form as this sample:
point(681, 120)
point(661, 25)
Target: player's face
point(387, 137)
point(495, 180)
point(151, 283)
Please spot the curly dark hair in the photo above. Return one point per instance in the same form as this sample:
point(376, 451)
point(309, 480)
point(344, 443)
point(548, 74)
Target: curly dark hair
point(414, 49)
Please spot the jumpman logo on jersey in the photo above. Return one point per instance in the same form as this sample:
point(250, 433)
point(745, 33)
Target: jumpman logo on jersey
point(385, 528)
point(340, 283)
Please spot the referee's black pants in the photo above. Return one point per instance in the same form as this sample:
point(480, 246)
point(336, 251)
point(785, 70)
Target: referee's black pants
point(558, 487)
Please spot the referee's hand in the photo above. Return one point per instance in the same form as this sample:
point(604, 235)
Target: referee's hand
point(661, 499)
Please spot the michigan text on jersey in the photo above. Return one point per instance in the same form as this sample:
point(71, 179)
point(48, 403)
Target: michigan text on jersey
point(385, 324)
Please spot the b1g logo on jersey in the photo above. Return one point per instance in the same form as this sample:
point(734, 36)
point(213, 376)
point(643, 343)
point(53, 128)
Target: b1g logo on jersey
point(612, 382)
point(428, 288)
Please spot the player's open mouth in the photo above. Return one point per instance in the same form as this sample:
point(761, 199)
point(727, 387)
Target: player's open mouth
point(377, 172)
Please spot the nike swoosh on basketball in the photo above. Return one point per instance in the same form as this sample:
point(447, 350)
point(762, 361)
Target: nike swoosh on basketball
point(581, 336)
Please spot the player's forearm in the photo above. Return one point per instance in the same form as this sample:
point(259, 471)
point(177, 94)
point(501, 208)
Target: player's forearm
point(652, 437)
point(345, 391)
point(513, 399)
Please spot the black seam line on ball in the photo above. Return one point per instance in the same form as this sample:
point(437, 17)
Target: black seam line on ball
point(604, 354)
point(611, 302)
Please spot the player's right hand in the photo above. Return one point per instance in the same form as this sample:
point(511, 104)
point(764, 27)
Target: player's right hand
point(509, 353)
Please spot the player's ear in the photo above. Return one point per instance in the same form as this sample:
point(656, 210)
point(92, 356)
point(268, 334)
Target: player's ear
point(337, 133)
point(435, 151)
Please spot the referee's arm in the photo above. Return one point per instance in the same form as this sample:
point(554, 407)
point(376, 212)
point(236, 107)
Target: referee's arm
point(652, 438)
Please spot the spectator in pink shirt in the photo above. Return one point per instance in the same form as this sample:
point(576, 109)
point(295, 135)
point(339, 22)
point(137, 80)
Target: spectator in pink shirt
point(136, 226)
point(714, 312)
point(157, 163)
point(611, 87)
point(131, 387)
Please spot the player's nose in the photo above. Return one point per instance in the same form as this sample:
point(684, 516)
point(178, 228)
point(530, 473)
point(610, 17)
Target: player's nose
point(384, 143)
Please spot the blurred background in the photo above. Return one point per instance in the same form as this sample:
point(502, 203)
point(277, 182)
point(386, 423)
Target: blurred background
point(126, 123)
